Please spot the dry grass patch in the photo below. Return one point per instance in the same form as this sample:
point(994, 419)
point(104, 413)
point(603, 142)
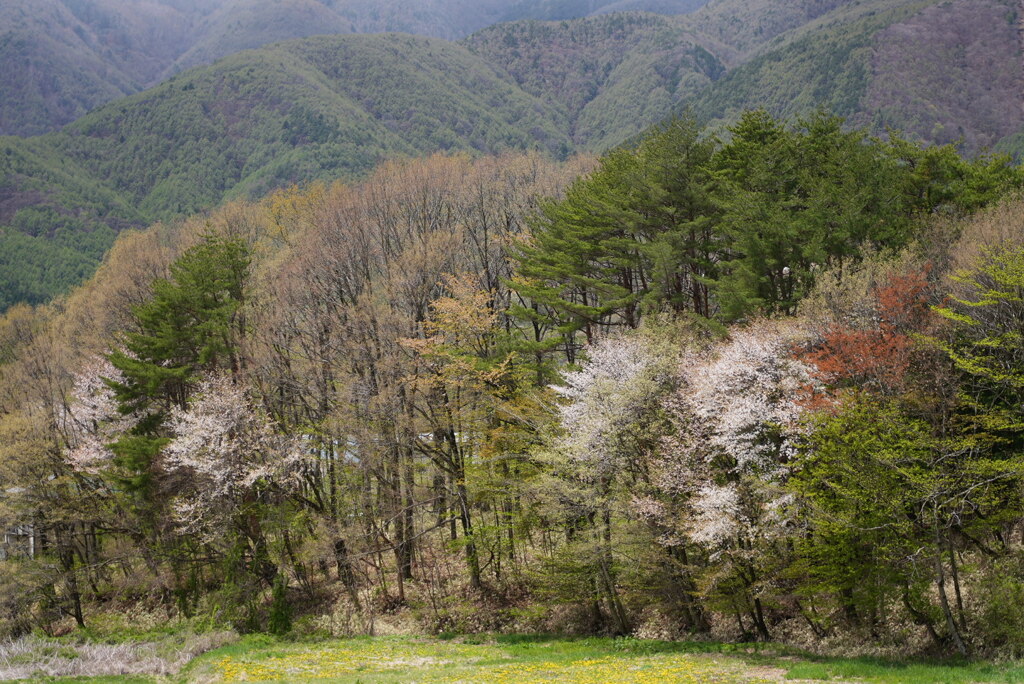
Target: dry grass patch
point(33, 657)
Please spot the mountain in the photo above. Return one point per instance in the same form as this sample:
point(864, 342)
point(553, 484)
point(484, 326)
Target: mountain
point(323, 107)
point(746, 27)
point(611, 75)
point(246, 24)
point(327, 106)
point(62, 58)
point(557, 10)
point(334, 106)
point(947, 72)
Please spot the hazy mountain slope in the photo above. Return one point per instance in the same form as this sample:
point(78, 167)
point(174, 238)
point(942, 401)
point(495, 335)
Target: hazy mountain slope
point(939, 72)
point(746, 25)
point(242, 24)
point(246, 24)
point(829, 67)
point(614, 75)
point(450, 19)
point(556, 10)
point(953, 71)
point(654, 6)
point(142, 36)
point(56, 221)
point(51, 74)
point(611, 75)
point(61, 58)
point(320, 107)
point(324, 107)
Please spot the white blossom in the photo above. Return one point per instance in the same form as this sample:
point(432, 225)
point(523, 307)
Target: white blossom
point(227, 451)
point(93, 419)
point(737, 416)
point(743, 398)
point(612, 389)
point(717, 518)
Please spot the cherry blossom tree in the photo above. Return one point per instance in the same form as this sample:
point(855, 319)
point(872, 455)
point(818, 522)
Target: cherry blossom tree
point(717, 480)
point(92, 419)
point(228, 456)
point(618, 383)
point(610, 424)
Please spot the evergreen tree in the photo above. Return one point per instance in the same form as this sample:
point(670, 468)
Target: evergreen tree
point(795, 200)
point(193, 323)
point(635, 234)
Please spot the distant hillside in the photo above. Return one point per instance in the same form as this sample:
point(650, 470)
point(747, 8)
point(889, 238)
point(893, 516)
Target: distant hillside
point(324, 107)
point(747, 25)
point(611, 75)
point(246, 24)
point(328, 107)
point(61, 58)
point(557, 10)
point(949, 72)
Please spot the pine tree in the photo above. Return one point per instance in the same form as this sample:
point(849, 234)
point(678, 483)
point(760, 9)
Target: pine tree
point(193, 323)
point(633, 236)
point(793, 200)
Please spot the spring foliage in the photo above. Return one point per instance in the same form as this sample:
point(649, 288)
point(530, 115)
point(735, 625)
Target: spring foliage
point(766, 388)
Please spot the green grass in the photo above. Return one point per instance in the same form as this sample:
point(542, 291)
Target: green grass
point(127, 679)
point(877, 670)
point(525, 659)
point(516, 660)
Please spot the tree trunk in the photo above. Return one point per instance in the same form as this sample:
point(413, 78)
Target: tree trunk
point(472, 558)
point(762, 626)
point(940, 583)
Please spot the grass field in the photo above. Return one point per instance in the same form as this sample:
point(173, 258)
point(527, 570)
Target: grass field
point(528, 660)
point(531, 660)
point(512, 660)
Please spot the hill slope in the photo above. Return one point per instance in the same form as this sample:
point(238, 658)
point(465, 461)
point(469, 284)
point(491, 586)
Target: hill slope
point(946, 72)
point(328, 107)
point(322, 107)
point(62, 58)
point(611, 75)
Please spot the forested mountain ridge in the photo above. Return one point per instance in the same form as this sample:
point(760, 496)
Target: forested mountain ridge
point(556, 10)
point(944, 73)
point(330, 107)
point(64, 57)
point(612, 75)
point(323, 107)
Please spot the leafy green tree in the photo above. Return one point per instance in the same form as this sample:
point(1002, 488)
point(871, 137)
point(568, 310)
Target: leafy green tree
point(280, 620)
point(795, 200)
point(193, 323)
point(858, 483)
point(888, 498)
point(987, 344)
point(634, 235)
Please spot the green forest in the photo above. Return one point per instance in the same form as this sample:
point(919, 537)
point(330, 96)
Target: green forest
point(330, 107)
point(761, 386)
